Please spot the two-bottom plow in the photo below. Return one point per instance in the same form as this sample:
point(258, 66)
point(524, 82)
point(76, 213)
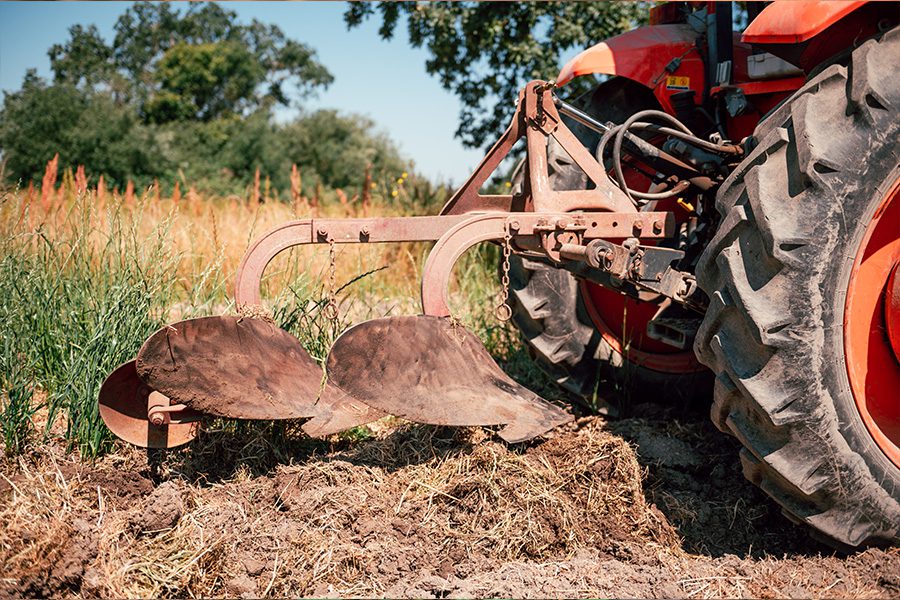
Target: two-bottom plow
point(425, 368)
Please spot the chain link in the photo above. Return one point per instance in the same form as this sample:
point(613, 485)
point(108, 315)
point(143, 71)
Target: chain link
point(331, 309)
point(503, 312)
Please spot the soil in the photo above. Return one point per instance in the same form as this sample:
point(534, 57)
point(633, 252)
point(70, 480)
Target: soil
point(637, 507)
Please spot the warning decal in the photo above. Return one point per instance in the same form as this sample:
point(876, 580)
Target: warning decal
point(678, 83)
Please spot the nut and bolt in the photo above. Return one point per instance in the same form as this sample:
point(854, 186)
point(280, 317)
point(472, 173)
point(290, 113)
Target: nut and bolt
point(657, 227)
point(157, 417)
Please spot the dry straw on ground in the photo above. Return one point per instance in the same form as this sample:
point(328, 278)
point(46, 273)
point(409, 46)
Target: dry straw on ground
point(416, 511)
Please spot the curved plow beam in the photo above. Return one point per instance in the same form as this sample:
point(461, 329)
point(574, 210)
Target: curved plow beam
point(325, 231)
point(528, 229)
point(448, 249)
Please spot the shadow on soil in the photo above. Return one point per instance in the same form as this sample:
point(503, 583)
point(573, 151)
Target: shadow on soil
point(258, 448)
point(694, 477)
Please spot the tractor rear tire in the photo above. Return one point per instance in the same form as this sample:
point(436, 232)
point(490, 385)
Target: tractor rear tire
point(547, 305)
point(794, 215)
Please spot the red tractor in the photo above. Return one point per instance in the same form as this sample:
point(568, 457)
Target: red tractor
point(797, 247)
point(723, 208)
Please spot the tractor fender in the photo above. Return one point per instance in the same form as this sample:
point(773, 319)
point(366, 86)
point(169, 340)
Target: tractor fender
point(796, 22)
point(648, 56)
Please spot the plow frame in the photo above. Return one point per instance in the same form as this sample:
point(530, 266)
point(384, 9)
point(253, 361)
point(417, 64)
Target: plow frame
point(539, 220)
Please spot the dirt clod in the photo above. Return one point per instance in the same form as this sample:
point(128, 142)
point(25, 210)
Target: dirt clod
point(242, 586)
point(162, 508)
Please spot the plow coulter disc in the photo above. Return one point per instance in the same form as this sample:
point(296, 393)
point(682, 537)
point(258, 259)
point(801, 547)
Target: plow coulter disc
point(245, 368)
point(431, 370)
point(123, 407)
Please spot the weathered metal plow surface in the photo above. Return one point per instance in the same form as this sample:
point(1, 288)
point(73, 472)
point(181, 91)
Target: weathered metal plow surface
point(123, 407)
point(245, 368)
point(433, 370)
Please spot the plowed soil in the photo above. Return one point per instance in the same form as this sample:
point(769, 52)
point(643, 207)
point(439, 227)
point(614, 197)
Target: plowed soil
point(627, 508)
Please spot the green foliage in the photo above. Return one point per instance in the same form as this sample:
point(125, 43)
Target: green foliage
point(73, 307)
point(204, 81)
point(336, 148)
point(187, 95)
point(201, 63)
point(84, 59)
point(485, 52)
point(85, 128)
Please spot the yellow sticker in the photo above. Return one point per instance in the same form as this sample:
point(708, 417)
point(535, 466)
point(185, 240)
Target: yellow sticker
point(678, 83)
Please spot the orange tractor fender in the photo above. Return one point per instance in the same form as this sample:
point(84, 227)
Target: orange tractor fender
point(643, 55)
point(665, 57)
point(796, 22)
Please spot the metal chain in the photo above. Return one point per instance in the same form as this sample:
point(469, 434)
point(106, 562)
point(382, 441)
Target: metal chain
point(503, 312)
point(331, 309)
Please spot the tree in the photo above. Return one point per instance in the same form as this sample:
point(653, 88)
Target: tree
point(201, 63)
point(485, 52)
point(204, 81)
point(84, 127)
point(186, 96)
point(337, 148)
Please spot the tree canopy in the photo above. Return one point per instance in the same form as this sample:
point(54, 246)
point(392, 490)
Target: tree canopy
point(198, 64)
point(186, 94)
point(484, 52)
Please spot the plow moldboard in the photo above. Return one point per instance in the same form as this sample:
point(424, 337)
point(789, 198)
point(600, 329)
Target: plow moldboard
point(245, 368)
point(432, 370)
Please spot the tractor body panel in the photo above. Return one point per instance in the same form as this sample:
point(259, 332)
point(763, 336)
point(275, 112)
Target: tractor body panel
point(643, 55)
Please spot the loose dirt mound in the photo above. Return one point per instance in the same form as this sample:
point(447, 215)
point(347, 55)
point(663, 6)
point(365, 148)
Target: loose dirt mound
point(419, 512)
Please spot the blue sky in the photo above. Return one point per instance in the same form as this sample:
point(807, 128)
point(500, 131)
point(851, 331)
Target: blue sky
point(383, 80)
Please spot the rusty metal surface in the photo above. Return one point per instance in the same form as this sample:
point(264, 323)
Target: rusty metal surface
point(243, 368)
point(319, 231)
point(537, 119)
point(492, 226)
point(341, 231)
point(124, 401)
point(431, 370)
point(336, 412)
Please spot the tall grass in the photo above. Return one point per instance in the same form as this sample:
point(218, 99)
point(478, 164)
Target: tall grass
point(76, 300)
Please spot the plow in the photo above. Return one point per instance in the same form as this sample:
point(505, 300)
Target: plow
point(720, 217)
point(426, 368)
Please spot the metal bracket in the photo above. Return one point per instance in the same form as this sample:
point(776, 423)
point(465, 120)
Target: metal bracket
point(537, 119)
point(646, 267)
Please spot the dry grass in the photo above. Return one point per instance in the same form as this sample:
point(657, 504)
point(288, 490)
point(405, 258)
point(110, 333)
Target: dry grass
point(416, 511)
point(349, 521)
point(208, 231)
